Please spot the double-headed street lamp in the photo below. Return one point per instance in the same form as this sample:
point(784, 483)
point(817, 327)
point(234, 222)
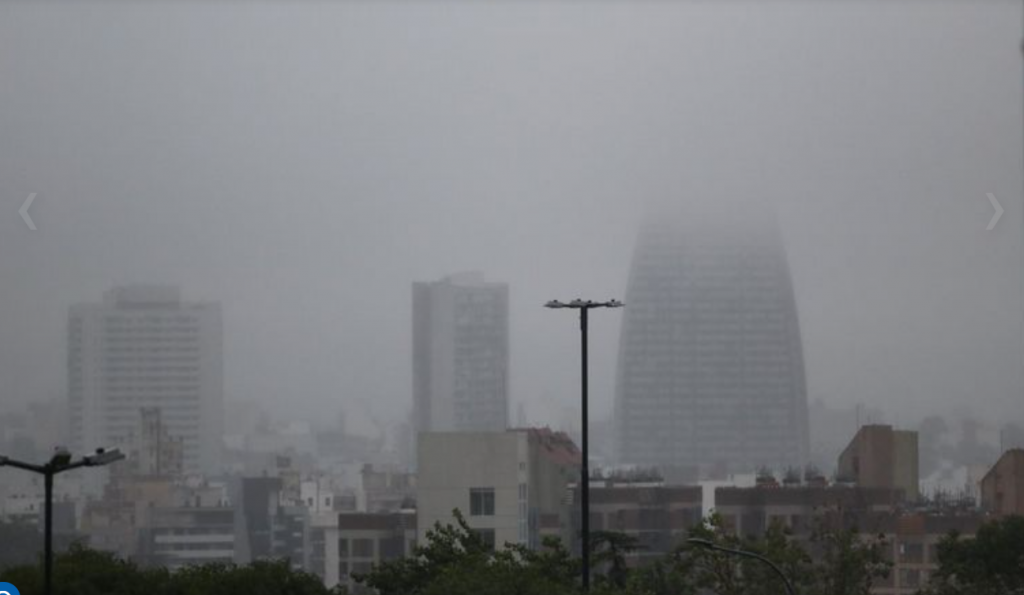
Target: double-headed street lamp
point(707, 543)
point(59, 463)
point(584, 306)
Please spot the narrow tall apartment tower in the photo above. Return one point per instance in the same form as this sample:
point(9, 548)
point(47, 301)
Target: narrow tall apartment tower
point(460, 354)
point(141, 349)
point(711, 371)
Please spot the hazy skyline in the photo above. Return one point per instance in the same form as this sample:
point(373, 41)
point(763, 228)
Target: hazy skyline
point(305, 163)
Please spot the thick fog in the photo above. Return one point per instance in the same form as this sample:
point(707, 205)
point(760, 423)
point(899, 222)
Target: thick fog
point(303, 163)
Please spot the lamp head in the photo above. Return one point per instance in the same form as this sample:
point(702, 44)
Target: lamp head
point(61, 457)
point(103, 456)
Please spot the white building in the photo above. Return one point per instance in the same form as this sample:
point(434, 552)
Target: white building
point(511, 487)
point(143, 347)
point(460, 355)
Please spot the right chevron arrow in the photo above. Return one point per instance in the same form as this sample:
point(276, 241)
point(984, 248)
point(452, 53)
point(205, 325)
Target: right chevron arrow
point(999, 212)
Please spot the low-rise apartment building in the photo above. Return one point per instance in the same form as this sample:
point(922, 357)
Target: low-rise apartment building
point(511, 486)
point(659, 516)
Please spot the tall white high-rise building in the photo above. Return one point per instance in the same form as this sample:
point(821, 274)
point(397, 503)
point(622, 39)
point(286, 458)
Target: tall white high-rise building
point(144, 348)
point(460, 354)
point(711, 369)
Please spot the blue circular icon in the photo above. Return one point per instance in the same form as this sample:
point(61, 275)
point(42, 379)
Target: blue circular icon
point(8, 589)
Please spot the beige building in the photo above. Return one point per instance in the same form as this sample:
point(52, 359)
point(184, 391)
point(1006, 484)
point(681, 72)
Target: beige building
point(1002, 488)
point(881, 457)
point(511, 486)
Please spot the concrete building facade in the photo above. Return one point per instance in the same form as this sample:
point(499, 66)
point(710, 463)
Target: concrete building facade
point(187, 535)
point(145, 348)
point(361, 540)
point(511, 487)
point(659, 516)
point(1002, 488)
point(909, 538)
point(460, 355)
point(881, 457)
point(751, 511)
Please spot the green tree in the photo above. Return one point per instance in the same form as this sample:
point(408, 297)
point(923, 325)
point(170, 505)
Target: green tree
point(20, 543)
point(843, 564)
point(82, 571)
point(992, 563)
point(692, 569)
point(609, 550)
point(455, 561)
point(263, 577)
point(847, 563)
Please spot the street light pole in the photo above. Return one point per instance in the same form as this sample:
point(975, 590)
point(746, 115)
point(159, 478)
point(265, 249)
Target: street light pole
point(48, 531)
point(707, 543)
point(584, 306)
point(59, 463)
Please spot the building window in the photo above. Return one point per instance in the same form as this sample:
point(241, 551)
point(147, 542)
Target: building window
point(909, 578)
point(481, 502)
point(487, 536)
point(342, 548)
point(362, 548)
point(911, 552)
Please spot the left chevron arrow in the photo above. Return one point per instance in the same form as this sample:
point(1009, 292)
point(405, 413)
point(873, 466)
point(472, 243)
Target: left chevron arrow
point(23, 211)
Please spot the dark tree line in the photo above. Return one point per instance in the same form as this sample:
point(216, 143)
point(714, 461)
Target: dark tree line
point(453, 560)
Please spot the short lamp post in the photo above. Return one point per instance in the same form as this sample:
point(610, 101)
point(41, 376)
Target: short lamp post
point(584, 306)
point(59, 463)
point(708, 544)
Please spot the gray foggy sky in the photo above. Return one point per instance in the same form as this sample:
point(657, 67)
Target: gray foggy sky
point(304, 162)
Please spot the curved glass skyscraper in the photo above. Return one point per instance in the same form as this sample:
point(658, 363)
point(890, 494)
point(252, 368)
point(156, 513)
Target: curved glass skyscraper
point(711, 371)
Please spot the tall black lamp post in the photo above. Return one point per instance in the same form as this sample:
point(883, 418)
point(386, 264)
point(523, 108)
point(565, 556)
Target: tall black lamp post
point(60, 463)
point(707, 543)
point(584, 306)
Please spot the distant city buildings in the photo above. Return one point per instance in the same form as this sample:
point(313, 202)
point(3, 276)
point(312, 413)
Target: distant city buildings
point(144, 348)
point(387, 490)
point(711, 371)
point(881, 457)
point(460, 345)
